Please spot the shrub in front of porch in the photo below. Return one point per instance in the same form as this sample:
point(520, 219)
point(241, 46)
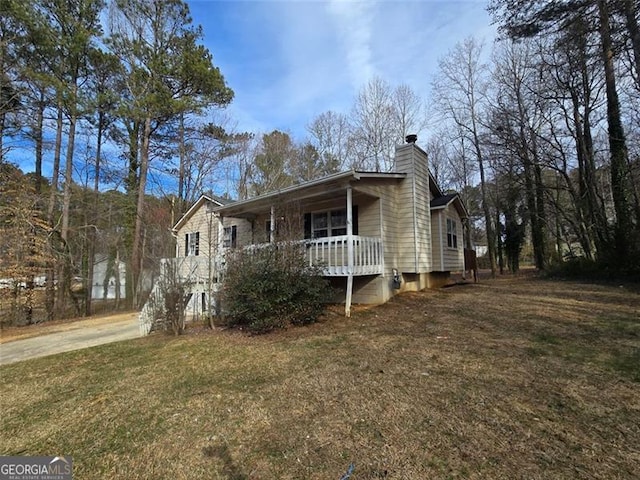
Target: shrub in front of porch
point(272, 287)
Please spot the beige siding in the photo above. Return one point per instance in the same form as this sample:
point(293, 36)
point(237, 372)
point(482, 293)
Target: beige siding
point(412, 212)
point(206, 224)
point(208, 227)
point(437, 232)
point(453, 257)
point(244, 234)
point(378, 219)
point(368, 215)
point(447, 259)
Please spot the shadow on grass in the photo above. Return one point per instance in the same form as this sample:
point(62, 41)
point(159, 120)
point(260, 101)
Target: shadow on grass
point(229, 469)
point(627, 363)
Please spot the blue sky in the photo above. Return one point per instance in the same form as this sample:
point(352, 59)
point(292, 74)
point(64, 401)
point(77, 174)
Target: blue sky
point(290, 60)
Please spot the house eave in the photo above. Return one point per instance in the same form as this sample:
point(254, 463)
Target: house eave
point(457, 201)
point(193, 209)
point(314, 188)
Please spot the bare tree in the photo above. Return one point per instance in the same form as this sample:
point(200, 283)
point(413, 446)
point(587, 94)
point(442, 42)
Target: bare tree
point(374, 132)
point(330, 134)
point(408, 112)
point(459, 92)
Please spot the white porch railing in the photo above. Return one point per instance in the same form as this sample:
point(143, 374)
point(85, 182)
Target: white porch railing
point(200, 272)
point(197, 270)
point(333, 254)
point(204, 274)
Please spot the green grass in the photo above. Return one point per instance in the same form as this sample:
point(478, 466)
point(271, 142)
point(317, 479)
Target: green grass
point(513, 378)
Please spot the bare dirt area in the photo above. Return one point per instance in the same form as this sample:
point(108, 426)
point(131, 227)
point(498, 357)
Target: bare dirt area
point(513, 378)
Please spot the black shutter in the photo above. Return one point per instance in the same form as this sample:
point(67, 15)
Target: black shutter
point(354, 219)
point(233, 236)
point(307, 225)
point(197, 249)
point(186, 244)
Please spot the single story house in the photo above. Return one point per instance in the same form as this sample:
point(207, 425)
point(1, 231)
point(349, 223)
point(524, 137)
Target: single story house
point(375, 234)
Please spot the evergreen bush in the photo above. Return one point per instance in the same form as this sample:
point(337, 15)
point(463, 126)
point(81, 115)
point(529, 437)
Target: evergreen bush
point(271, 287)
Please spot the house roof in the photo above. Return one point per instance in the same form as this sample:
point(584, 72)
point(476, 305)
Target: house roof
point(442, 202)
point(313, 188)
point(213, 199)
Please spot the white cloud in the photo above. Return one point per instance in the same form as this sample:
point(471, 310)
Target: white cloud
point(290, 60)
point(354, 24)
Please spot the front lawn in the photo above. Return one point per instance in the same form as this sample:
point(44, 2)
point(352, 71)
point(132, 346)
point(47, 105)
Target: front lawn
point(510, 378)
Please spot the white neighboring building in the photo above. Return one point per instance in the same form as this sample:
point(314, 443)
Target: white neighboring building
point(109, 276)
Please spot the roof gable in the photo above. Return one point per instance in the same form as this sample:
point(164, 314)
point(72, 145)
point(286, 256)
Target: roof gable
point(204, 199)
point(443, 201)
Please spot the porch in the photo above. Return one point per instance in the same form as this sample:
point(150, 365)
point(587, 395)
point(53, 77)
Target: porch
point(338, 256)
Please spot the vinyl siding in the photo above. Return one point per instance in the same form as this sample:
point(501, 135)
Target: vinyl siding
point(205, 223)
point(371, 223)
point(436, 240)
point(447, 259)
point(413, 212)
point(244, 234)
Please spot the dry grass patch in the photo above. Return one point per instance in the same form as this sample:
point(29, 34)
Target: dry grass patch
point(512, 378)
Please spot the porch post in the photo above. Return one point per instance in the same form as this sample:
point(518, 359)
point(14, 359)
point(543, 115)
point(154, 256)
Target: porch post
point(347, 303)
point(220, 235)
point(272, 228)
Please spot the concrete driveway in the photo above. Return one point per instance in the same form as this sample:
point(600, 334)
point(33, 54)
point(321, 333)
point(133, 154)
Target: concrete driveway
point(73, 336)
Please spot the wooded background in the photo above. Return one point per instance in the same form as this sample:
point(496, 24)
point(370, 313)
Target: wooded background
point(539, 132)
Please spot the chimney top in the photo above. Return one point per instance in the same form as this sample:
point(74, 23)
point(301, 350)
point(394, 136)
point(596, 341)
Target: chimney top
point(411, 138)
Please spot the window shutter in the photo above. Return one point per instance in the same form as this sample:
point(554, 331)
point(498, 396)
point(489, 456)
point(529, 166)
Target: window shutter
point(354, 218)
point(307, 225)
point(233, 236)
point(197, 249)
point(186, 244)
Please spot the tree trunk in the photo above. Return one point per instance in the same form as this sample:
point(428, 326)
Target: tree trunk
point(182, 166)
point(64, 282)
point(136, 254)
point(499, 242)
point(37, 133)
point(487, 217)
point(541, 215)
point(91, 253)
point(617, 141)
point(132, 185)
point(56, 167)
point(51, 273)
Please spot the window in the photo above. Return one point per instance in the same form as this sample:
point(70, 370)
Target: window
point(452, 233)
point(192, 244)
point(329, 224)
point(338, 222)
point(320, 225)
point(229, 237)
